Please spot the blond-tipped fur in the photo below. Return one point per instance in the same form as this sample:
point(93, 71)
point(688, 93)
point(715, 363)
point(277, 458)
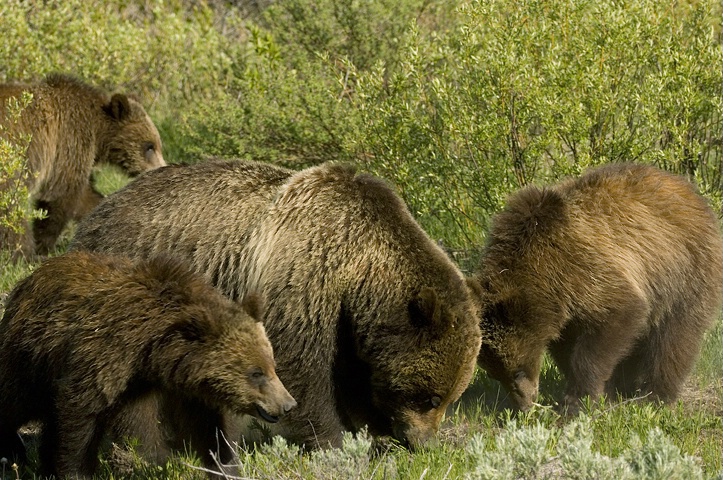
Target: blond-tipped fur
point(371, 323)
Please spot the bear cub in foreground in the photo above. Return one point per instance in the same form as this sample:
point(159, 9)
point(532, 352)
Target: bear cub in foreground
point(617, 273)
point(86, 334)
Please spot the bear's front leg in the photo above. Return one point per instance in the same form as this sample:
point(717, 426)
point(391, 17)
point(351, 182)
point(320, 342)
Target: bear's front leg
point(78, 445)
point(47, 230)
point(79, 428)
point(210, 433)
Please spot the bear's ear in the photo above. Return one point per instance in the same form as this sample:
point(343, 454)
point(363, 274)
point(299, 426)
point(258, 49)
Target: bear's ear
point(119, 107)
point(425, 310)
point(253, 304)
point(194, 327)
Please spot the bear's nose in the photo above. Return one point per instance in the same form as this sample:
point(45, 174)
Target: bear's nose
point(288, 406)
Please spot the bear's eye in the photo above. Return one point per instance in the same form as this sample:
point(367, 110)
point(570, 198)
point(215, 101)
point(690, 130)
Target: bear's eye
point(257, 376)
point(436, 401)
point(148, 147)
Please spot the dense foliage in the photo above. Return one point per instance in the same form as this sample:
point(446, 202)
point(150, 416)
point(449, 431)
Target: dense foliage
point(457, 103)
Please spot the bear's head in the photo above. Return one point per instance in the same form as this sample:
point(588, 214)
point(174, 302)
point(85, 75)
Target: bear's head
point(223, 357)
point(508, 354)
point(422, 364)
point(516, 255)
point(129, 140)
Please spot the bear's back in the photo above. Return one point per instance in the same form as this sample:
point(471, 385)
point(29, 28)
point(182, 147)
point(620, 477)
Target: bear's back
point(196, 211)
point(354, 224)
point(649, 221)
point(617, 228)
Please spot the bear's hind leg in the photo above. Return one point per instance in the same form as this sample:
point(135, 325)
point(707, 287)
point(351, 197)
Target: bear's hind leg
point(671, 350)
point(600, 345)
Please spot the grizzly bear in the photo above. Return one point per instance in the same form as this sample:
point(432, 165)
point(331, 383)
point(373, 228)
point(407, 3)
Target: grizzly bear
point(73, 126)
point(617, 274)
point(372, 323)
point(87, 333)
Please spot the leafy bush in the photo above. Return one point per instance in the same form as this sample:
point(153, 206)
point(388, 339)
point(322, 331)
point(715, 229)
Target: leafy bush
point(293, 116)
point(15, 206)
point(289, 102)
point(529, 91)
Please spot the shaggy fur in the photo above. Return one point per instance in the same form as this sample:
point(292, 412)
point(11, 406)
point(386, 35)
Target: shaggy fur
point(87, 333)
point(618, 273)
point(74, 126)
point(372, 323)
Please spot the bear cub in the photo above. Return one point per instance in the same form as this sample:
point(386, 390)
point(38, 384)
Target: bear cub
point(618, 274)
point(73, 127)
point(87, 333)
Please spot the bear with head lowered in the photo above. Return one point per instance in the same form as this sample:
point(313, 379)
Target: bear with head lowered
point(617, 273)
point(371, 322)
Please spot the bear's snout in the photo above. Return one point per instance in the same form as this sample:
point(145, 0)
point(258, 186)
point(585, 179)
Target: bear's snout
point(523, 392)
point(289, 405)
point(417, 429)
point(276, 402)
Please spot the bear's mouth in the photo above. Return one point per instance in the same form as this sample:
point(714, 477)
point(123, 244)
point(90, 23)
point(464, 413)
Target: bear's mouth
point(266, 415)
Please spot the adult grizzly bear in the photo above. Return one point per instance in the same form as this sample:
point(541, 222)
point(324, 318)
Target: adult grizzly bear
point(372, 323)
point(618, 273)
point(87, 333)
point(74, 126)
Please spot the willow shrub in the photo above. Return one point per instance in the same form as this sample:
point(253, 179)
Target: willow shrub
point(289, 102)
point(15, 206)
point(528, 91)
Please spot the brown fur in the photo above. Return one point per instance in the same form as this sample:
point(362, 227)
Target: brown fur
point(73, 127)
point(87, 333)
point(372, 323)
point(618, 273)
